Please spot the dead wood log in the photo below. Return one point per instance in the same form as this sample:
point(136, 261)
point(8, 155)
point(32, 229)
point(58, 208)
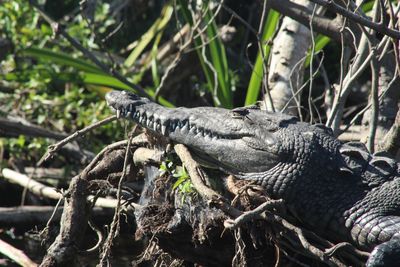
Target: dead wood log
point(42, 190)
point(30, 216)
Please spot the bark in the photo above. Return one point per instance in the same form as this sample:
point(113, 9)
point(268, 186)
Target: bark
point(321, 24)
point(388, 106)
point(286, 69)
point(343, 90)
point(73, 226)
point(30, 216)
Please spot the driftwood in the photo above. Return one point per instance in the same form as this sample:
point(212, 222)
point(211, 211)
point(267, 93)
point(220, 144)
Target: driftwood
point(46, 191)
point(46, 173)
point(16, 255)
point(26, 216)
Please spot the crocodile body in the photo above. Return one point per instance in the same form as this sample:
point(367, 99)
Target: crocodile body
point(339, 190)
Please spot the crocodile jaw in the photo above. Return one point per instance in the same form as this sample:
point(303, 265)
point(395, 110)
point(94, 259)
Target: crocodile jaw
point(213, 134)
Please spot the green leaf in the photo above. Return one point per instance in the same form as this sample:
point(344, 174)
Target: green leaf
point(109, 81)
point(154, 69)
point(254, 87)
point(215, 53)
point(106, 80)
point(320, 42)
point(179, 182)
point(60, 58)
point(146, 38)
point(219, 61)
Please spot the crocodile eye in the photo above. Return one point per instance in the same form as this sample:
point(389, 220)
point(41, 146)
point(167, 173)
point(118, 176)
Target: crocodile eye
point(239, 113)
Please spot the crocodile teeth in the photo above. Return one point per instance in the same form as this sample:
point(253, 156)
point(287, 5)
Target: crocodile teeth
point(184, 127)
point(150, 123)
point(163, 129)
point(143, 119)
point(172, 126)
point(200, 131)
point(157, 126)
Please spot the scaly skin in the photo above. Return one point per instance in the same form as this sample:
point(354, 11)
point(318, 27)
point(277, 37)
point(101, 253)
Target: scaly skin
point(340, 191)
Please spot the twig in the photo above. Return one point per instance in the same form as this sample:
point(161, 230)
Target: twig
point(315, 252)
point(114, 227)
point(379, 27)
point(47, 173)
point(138, 140)
point(16, 255)
point(253, 214)
point(300, 90)
point(345, 245)
point(381, 96)
point(37, 215)
point(54, 148)
point(375, 103)
point(265, 74)
point(356, 69)
point(310, 107)
point(99, 237)
point(177, 58)
point(296, 261)
point(144, 155)
point(27, 215)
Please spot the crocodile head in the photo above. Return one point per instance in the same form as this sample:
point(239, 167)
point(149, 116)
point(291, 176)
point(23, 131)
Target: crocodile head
point(241, 141)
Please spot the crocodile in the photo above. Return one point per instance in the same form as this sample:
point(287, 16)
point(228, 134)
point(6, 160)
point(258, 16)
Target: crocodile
point(339, 190)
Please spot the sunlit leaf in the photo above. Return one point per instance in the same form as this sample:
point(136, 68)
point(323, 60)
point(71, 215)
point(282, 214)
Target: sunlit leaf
point(254, 87)
point(60, 58)
point(146, 38)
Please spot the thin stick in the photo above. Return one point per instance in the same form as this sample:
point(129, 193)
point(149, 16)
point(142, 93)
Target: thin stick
point(364, 21)
point(52, 149)
point(255, 213)
point(375, 103)
point(310, 106)
point(114, 227)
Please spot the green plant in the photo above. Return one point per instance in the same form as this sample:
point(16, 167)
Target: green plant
point(48, 86)
point(254, 87)
point(183, 182)
point(214, 60)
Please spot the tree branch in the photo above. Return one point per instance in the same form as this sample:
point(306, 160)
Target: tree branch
point(364, 21)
